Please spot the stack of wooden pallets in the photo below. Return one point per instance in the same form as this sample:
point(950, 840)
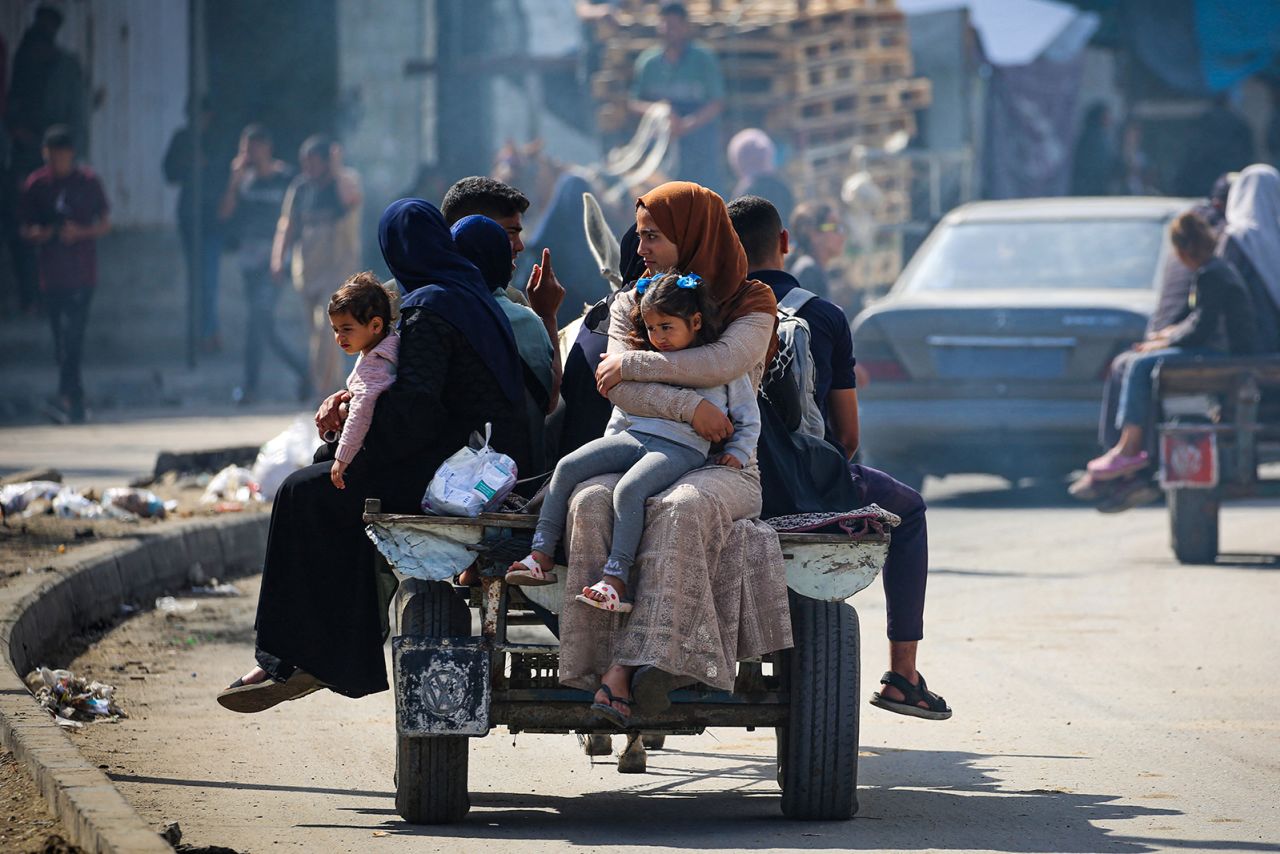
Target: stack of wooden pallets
point(821, 76)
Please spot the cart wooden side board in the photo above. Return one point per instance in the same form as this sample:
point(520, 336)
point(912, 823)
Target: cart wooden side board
point(457, 677)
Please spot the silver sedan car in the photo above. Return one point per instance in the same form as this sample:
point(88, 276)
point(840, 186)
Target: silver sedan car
point(989, 353)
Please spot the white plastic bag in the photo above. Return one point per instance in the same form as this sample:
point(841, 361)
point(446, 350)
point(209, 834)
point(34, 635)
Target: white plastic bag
point(284, 454)
point(233, 483)
point(15, 497)
point(471, 481)
point(69, 504)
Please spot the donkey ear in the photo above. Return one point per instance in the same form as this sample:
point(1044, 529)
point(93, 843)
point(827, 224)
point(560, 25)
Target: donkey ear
point(604, 245)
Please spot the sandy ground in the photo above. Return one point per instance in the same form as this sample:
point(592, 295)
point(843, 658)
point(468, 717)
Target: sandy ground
point(96, 456)
point(1107, 700)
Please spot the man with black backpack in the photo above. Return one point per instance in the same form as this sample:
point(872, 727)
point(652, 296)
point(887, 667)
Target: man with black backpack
point(830, 351)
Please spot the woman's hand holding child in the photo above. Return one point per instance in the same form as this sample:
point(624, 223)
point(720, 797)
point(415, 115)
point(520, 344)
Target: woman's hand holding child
point(710, 423)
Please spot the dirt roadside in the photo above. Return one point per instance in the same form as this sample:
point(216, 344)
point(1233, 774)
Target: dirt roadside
point(31, 545)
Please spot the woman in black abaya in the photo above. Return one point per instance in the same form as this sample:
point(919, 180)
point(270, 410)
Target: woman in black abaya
point(318, 621)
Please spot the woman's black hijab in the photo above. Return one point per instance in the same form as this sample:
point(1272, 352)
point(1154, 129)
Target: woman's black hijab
point(420, 253)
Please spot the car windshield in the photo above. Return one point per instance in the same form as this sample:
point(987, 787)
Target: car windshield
point(1071, 254)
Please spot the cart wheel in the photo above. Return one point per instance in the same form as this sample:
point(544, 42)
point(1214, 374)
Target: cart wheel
point(655, 742)
point(818, 747)
point(431, 771)
point(1193, 524)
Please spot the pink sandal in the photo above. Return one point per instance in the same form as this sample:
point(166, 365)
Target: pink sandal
point(612, 601)
point(532, 575)
point(1110, 468)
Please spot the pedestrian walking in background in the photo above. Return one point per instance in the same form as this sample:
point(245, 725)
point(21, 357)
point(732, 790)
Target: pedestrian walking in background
point(62, 211)
point(318, 241)
point(200, 184)
point(819, 239)
point(1096, 165)
point(754, 160)
point(250, 208)
point(687, 76)
point(47, 88)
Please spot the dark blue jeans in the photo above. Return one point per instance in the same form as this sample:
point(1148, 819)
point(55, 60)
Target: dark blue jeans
point(261, 294)
point(1135, 389)
point(906, 570)
point(68, 316)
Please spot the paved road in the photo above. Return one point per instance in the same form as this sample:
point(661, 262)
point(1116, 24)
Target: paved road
point(1106, 699)
point(112, 451)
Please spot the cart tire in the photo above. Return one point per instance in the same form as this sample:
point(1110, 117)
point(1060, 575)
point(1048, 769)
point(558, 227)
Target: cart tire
point(1193, 524)
point(431, 771)
point(818, 747)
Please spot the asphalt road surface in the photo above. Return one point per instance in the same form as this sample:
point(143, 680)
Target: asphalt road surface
point(1107, 699)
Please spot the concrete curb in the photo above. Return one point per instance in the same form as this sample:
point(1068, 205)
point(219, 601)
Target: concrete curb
point(86, 587)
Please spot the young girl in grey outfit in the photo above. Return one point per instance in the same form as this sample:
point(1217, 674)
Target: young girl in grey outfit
point(672, 313)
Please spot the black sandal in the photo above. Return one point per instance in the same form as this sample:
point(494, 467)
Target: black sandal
point(608, 712)
point(260, 696)
point(937, 711)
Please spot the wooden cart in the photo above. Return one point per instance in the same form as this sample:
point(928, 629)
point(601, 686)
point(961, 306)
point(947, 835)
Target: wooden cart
point(457, 675)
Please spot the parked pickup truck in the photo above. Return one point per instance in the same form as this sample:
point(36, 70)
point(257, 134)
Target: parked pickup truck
point(457, 676)
point(1221, 422)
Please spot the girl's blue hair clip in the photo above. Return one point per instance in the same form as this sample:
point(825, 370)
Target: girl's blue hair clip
point(687, 281)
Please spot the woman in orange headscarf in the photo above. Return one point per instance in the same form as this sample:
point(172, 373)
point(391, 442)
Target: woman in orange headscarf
point(713, 590)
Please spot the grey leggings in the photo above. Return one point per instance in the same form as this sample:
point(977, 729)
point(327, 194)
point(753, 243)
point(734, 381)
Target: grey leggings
point(649, 464)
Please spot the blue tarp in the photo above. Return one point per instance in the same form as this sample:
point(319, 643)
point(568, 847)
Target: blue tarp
point(1236, 39)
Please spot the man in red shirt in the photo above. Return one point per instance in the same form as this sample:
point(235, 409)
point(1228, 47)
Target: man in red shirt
point(62, 211)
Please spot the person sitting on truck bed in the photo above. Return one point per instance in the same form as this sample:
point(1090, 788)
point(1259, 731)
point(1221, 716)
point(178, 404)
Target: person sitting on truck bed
point(1221, 322)
point(713, 587)
point(318, 620)
point(1171, 306)
point(1251, 244)
point(906, 569)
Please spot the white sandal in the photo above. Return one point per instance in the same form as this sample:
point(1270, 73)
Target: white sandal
point(612, 601)
point(532, 575)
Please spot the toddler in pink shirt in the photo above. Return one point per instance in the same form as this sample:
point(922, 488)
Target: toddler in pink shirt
point(360, 313)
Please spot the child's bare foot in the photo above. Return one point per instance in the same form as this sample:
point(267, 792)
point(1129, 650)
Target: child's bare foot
point(533, 570)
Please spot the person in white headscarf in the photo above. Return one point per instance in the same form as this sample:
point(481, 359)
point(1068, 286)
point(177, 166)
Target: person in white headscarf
point(1251, 243)
point(754, 160)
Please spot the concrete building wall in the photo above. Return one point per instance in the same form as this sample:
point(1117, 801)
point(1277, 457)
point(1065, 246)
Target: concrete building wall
point(385, 113)
point(134, 57)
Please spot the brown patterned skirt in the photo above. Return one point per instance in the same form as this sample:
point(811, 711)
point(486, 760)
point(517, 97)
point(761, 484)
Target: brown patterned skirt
point(708, 581)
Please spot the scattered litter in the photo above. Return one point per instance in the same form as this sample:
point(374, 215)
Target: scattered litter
point(16, 497)
point(170, 605)
point(233, 483)
point(69, 504)
point(71, 700)
point(284, 454)
point(381, 833)
point(140, 502)
point(213, 588)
